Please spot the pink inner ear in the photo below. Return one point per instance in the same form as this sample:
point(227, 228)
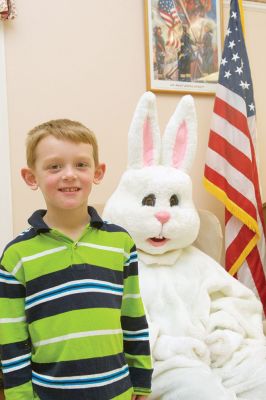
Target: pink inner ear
point(147, 144)
point(180, 145)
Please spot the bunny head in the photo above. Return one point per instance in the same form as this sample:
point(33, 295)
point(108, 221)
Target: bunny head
point(153, 200)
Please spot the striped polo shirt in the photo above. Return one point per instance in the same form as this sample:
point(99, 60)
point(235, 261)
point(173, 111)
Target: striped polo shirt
point(72, 323)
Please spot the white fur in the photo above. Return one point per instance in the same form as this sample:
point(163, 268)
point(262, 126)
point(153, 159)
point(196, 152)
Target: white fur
point(185, 112)
point(146, 109)
point(206, 328)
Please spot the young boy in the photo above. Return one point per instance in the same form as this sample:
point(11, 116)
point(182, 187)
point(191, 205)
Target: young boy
point(72, 320)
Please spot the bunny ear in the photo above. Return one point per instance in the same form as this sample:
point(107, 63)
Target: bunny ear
point(144, 135)
point(179, 141)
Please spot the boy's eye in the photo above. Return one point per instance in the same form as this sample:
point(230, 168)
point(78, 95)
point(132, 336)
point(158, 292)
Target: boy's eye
point(82, 165)
point(54, 167)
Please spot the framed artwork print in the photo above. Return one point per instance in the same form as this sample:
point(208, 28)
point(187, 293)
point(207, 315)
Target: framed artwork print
point(183, 45)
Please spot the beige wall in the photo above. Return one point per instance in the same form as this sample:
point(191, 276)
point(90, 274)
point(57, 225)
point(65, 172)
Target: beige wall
point(85, 60)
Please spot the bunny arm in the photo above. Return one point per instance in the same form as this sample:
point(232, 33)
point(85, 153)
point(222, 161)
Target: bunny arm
point(222, 304)
point(164, 346)
point(234, 307)
point(222, 344)
point(228, 313)
point(235, 317)
point(167, 347)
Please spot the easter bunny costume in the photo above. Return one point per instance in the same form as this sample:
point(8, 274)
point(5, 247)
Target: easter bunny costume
point(206, 327)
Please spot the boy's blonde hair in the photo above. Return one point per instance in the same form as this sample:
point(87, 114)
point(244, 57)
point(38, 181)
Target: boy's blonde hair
point(63, 129)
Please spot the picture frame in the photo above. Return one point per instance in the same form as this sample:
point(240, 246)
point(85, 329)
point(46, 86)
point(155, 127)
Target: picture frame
point(183, 43)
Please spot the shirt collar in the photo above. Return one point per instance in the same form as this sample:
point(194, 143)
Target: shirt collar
point(37, 222)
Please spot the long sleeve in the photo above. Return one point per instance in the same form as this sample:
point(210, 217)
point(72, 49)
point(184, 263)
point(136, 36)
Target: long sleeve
point(15, 348)
point(135, 328)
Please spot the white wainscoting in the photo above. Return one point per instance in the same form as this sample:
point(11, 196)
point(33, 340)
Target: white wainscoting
point(6, 220)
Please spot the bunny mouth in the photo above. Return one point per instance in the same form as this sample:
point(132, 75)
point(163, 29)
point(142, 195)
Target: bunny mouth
point(157, 241)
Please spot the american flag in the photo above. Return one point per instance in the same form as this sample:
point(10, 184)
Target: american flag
point(230, 171)
point(168, 12)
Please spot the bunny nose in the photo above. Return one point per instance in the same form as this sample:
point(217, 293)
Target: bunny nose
point(162, 216)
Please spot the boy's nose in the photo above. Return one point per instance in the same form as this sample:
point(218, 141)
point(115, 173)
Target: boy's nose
point(69, 174)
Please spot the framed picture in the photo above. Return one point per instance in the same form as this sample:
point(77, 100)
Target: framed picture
point(183, 45)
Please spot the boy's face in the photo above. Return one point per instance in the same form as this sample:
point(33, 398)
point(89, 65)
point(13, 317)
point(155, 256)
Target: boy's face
point(65, 172)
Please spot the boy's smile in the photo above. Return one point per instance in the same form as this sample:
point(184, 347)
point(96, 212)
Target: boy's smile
point(65, 172)
point(69, 189)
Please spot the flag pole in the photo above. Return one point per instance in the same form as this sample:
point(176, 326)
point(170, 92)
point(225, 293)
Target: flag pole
point(242, 18)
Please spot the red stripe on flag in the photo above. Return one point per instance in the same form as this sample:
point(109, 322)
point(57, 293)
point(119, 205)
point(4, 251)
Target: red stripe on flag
point(236, 197)
point(257, 189)
point(256, 268)
point(231, 154)
point(237, 246)
point(227, 216)
point(232, 115)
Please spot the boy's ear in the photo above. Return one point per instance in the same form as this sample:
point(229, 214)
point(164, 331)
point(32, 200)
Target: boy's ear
point(99, 173)
point(29, 177)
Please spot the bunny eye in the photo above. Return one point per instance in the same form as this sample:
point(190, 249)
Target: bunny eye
point(149, 200)
point(174, 200)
